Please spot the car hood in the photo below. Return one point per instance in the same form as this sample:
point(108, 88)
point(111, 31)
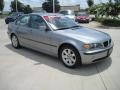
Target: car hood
point(85, 34)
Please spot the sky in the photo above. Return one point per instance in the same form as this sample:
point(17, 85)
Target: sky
point(38, 3)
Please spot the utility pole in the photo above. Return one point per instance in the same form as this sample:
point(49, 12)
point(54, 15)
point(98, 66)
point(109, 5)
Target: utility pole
point(100, 1)
point(16, 6)
point(53, 6)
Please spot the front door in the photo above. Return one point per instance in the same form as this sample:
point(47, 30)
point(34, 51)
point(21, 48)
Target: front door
point(40, 37)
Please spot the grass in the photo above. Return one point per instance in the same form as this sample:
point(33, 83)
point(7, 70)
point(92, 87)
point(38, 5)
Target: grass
point(3, 16)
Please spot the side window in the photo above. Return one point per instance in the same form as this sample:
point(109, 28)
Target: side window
point(23, 21)
point(37, 22)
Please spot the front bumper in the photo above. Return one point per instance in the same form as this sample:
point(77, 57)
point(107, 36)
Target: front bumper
point(96, 55)
point(82, 20)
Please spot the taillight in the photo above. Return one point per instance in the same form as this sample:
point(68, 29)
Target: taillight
point(46, 18)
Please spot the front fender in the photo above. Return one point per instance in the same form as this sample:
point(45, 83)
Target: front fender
point(77, 44)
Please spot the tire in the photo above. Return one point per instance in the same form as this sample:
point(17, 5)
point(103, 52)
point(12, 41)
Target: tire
point(70, 56)
point(15, 41)
point(6, 21)
point(88, 21)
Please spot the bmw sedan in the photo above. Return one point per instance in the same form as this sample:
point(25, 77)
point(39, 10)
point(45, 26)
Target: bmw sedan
point(59, 36)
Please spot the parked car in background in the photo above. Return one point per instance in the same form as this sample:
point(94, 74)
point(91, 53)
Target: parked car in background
point(13, 17)
point(57, 35)
point(68, 13)
point(82, 17)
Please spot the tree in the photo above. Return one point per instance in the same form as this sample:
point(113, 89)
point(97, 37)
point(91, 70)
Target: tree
point(27, 9)
point(20, 6)
point(108, 9)
point(48, 6)
point(90, 3)
point(117, 1)
point(1, 5)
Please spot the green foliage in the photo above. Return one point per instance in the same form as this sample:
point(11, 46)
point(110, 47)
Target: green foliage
point(20, 7)
point(107, 13)
point(90, 3)
point(3, 16)
point(92, 10)
point(111, 22)
point(106, 9)
point(1, 5)
point(48, 6)
point(27, 9)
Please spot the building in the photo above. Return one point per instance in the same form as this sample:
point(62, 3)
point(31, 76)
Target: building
point(75, 8)
point(37, 9)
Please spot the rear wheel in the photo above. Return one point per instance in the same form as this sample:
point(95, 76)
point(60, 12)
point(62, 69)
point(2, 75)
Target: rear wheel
point(15, 42)
point(70, 56)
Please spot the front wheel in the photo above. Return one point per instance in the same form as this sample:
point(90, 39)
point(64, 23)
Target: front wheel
point(15, 42)
point(70, 56)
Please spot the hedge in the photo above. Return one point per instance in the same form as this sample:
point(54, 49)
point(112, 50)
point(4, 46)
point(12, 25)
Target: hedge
point(109, 22)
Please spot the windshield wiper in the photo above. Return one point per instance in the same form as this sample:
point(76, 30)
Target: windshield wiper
point(67, 27)
point(74, 26)
point(63, 28)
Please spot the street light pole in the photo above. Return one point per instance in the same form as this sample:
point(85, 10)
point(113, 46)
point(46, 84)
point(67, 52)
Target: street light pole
point(16, 6)
point(53, 6)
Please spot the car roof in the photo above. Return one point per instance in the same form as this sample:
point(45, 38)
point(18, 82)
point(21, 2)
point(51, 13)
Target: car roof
point(47, 14)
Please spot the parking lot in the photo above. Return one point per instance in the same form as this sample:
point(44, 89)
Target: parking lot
point(25, 69)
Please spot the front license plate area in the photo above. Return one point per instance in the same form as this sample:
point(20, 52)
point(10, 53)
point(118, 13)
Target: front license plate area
point(109, 52)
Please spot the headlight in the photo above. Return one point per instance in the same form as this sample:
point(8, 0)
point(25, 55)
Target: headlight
point(93, 46)
point(86, 46)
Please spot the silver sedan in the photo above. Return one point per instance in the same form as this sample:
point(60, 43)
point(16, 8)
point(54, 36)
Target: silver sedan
point(59, 36)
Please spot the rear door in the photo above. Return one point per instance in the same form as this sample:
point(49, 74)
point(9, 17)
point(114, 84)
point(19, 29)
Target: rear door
point(23, 30)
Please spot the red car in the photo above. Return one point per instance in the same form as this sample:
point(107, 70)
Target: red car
point(82, 17)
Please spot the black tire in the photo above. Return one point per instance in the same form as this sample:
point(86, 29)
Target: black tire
point(88, 21)
point(78, 58)
point(18, 44)
point(6, 21)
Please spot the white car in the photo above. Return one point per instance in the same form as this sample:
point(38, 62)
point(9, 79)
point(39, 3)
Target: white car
point(68, 13)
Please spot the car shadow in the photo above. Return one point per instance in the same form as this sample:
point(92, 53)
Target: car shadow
point(40, 58)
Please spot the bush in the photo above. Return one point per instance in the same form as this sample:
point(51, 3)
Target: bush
point(99, 19)
point(3, 16)
point(111, 22)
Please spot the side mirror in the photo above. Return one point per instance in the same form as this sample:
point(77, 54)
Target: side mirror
point(45, 28)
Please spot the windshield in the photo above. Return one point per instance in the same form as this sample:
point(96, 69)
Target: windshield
point(60, 23)
point(82, 14)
